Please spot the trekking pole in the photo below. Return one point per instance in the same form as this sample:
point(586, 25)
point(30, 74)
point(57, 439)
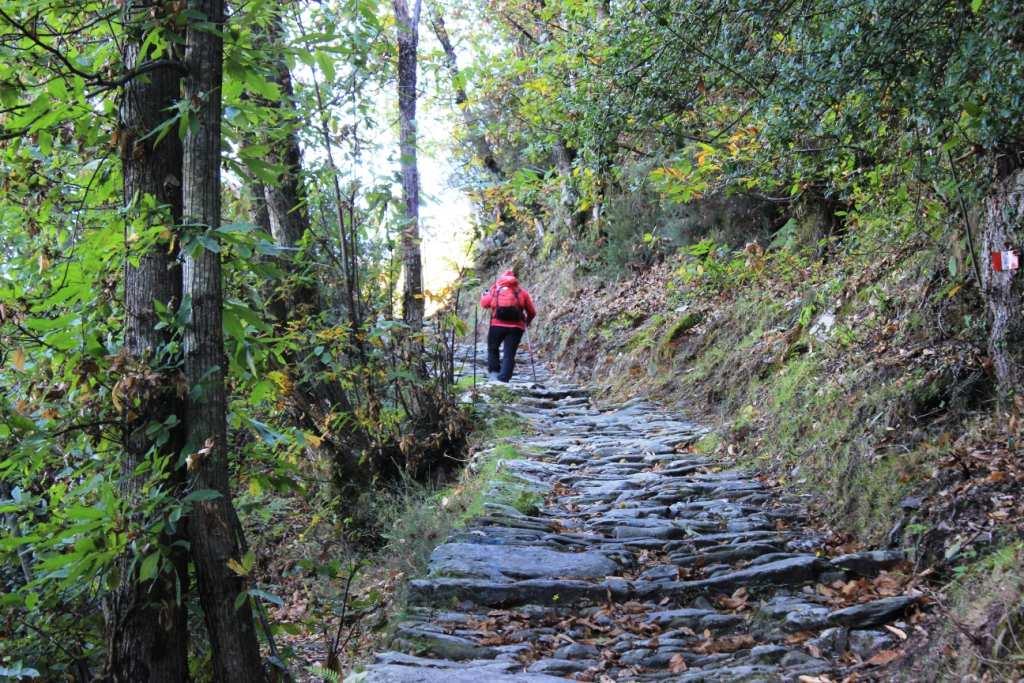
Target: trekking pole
point(476, 336)
point(529, 346)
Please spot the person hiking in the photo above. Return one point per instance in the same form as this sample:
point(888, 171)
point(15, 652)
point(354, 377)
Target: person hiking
point(511, 311)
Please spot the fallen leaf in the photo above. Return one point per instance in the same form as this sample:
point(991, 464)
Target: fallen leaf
point(677, 664)
point(883, 657)
point(997, 476)
point(726, 644)
point(899, 633)
point(736, 602)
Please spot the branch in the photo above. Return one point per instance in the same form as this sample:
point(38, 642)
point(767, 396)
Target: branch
point(22, 132)
point(84, 426)
point(31, 35)
point(522, 30)
point(140, 70)
point(92, 78)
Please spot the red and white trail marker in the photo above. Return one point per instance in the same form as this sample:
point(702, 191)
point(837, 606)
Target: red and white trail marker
point(1005, 260)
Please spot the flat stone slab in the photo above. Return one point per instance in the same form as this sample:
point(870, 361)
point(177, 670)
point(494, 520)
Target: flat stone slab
point(870, 562)
point(696, 619)
point(873, 613)
point(400, 668)
point(495, 562)
point(789, 572)
point(445, 592)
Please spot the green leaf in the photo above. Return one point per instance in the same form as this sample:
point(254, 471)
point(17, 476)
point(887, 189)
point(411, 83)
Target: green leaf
point(269, 597)
point(238, 226)
point(80, 512)
point(233, 326)
point(270, 436)
point(264, 171)
point(149, 567)
point(263, 390)
point(202, 495)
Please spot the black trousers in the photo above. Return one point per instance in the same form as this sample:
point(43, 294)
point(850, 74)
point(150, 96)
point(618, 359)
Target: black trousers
point(510, 336)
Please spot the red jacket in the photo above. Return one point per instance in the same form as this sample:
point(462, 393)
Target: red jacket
point(488, 300)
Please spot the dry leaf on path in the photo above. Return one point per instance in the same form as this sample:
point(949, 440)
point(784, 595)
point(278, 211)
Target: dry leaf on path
point(899, 633)
point(677, 664)
point(726, 644)
point(737, 601)
point(883, 657)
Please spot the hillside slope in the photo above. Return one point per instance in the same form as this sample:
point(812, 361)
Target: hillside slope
point(860, 377)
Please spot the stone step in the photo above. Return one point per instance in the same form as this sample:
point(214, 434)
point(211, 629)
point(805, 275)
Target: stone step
point(642, 564)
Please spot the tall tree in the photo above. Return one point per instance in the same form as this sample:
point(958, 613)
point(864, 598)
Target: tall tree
point(213, 527)
point(314, 398)
point(408, 41)
point(474, 127)
point(147, 636)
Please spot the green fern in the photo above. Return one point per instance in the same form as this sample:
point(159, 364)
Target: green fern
point(325, 673)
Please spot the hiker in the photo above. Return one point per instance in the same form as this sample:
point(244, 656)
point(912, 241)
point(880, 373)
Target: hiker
point(511, 311)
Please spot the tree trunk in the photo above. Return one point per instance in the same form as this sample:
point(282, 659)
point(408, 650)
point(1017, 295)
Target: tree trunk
point(408, 39)
point(483, 148)
point(314, 400)
point(569, 202)
point(1003, 229)
point(212, 524)
point(284, 198)
point(147, 633)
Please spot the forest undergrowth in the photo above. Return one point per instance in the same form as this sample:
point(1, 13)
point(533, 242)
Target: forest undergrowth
point(338, 596)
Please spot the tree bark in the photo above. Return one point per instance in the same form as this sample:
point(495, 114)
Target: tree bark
point(569, 202)
point(1003, 229)
point(212, 524)
point(147, 633)
point(408, 40)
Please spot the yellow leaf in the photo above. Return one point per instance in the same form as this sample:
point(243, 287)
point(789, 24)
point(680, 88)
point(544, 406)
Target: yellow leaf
point(313, 440)
point(280, 379)
point(18, 358)
point(236, 566)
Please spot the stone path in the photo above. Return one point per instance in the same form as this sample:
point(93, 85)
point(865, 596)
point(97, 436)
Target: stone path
point(635, 560)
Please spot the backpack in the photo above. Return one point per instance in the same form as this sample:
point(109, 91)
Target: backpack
point(507, 308)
